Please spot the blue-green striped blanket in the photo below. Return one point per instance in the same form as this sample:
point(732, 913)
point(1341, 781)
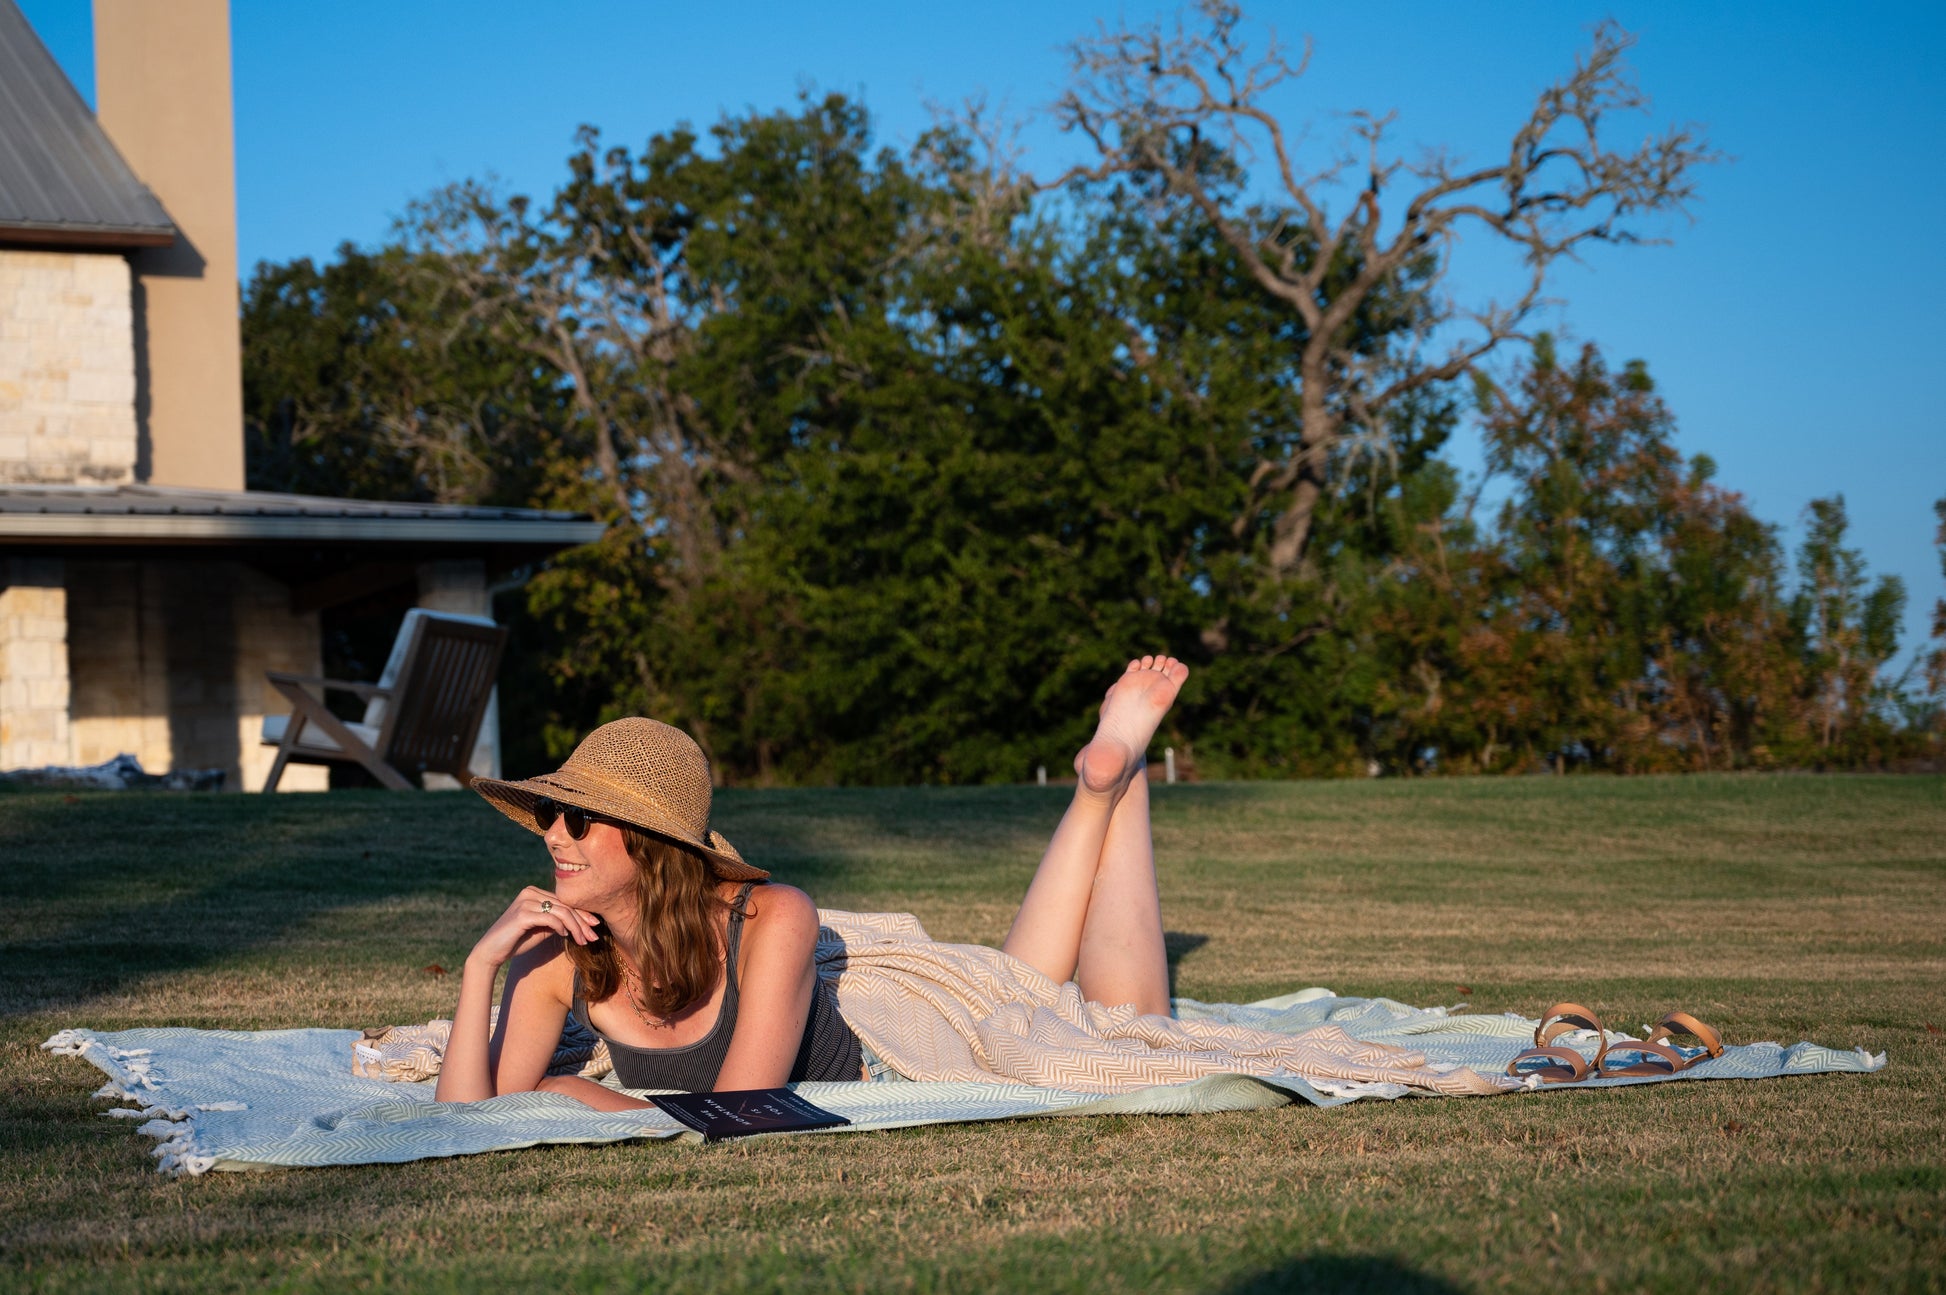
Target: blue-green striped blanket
point(217, 1099)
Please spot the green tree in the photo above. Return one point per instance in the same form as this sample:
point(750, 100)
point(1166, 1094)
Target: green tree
point(902, 461)
point(357, 382)
point(1634, 620)
point(1851, 626)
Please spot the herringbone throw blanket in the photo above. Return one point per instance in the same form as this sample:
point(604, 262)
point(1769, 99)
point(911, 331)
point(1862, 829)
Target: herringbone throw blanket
point(229, 1099)
point(964, 1012)
point(982, 1036)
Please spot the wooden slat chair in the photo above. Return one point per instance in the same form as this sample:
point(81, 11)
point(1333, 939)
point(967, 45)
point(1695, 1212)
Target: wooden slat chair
point(422, 716)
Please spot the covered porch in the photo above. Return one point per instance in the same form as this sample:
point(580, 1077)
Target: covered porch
point(142, 619)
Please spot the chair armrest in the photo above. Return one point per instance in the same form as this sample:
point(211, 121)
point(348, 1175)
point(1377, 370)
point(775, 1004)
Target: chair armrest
point(366, 690)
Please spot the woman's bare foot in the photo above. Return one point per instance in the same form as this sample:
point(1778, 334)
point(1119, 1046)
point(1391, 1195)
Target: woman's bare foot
point(1134, 706)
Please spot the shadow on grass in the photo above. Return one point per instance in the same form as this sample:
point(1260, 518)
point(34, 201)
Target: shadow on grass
point(108, 890)
point(792, 821)
point(1340, 1273)
point(111, 889)
point(1177, 945)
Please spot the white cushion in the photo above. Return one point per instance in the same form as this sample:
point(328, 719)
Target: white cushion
point(314, 738)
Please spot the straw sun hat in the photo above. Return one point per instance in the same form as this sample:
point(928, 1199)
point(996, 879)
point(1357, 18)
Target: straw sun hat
point(636, 771)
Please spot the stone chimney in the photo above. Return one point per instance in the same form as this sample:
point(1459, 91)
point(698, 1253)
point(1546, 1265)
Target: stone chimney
point(162, 94)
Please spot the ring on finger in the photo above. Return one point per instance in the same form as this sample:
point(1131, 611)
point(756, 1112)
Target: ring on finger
point(547, 906)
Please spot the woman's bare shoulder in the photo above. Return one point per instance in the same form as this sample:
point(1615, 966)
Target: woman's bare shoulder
point(784, 910)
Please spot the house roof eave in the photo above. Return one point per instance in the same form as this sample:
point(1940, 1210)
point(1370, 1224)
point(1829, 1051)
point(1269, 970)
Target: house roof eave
point(138, 514)
point(69, 528)
point(36, 236)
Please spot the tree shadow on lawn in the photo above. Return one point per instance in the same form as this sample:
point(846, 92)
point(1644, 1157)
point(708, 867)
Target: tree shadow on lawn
point(110, 889)
point(813, 825)
point(114, 888)
point(1340, 1273)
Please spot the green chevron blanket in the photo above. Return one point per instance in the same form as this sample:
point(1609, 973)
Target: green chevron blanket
point(216, 1099)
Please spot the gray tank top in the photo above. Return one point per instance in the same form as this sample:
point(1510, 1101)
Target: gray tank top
point(830, 1049)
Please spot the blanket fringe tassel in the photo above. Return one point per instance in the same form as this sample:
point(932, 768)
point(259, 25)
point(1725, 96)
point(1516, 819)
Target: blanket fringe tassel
point(173, 1128)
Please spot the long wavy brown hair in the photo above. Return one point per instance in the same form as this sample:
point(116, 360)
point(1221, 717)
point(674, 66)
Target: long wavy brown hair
point(678, 945)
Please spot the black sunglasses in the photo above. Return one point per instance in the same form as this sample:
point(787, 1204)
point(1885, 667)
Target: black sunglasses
point(575, 818)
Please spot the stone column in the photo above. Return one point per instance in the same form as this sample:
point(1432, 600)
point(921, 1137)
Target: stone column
point(461, 586)
point(33, 664)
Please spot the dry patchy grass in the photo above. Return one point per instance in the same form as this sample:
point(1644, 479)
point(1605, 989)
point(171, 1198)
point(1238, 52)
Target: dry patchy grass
point(1776, 907)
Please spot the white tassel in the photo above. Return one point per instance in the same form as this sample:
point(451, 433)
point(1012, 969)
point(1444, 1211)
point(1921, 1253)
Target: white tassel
point(185, 1165)
point(176, 1149)
point(173, 1128)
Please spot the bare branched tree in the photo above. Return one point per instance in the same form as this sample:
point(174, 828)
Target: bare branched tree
point(1175, 109)
point(609, 321)
point(972, 155)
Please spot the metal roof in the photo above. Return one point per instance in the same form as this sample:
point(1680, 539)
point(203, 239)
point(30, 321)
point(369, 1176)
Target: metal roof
point(61, 181)
point(123, 514)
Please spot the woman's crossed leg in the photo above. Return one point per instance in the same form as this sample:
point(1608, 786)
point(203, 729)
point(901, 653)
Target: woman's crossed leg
point(1092, 913)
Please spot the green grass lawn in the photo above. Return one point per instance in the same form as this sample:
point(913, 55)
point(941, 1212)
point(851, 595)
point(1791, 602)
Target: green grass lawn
point(1775, 907)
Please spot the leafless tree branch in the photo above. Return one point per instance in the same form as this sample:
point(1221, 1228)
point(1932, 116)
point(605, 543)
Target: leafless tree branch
point(556, 294)
point(1177, 107)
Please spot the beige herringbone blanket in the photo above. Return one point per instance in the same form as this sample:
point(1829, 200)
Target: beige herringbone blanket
point(964, 1012)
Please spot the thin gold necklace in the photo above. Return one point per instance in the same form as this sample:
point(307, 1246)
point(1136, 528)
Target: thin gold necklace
point(632, 988)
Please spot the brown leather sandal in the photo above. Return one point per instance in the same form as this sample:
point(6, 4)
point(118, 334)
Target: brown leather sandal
point(1653, 1054)
point(1560, 1065)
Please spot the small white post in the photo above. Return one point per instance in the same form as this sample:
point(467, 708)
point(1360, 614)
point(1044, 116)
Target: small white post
point(1040, 774)
point(1168, 764)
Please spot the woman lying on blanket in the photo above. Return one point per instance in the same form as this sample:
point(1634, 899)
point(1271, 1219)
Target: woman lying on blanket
point(698, 971)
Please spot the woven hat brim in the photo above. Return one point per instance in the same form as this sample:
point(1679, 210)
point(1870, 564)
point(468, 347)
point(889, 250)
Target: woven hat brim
point(516, 799)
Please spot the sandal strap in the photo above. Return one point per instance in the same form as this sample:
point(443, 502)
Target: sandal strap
point(1655, 1059)
point(1575, 1016)
point(1676, 1023)
point(1566, 1018)
point(1569, 1066)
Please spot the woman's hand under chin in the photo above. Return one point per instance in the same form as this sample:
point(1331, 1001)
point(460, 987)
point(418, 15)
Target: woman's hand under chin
point(534, 916)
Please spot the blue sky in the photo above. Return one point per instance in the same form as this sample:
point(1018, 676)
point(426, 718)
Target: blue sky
point(1790, 326)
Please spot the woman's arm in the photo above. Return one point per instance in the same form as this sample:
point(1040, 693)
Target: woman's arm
point(537, 1000)
point(529, 936)
point(780, 940)
point(590, 1093)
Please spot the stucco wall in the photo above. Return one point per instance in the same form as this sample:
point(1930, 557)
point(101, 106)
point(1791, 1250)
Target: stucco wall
point(67, 369)
point(162, 92)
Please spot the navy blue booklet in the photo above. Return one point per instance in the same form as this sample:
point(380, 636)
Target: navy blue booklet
point(756, 1110)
